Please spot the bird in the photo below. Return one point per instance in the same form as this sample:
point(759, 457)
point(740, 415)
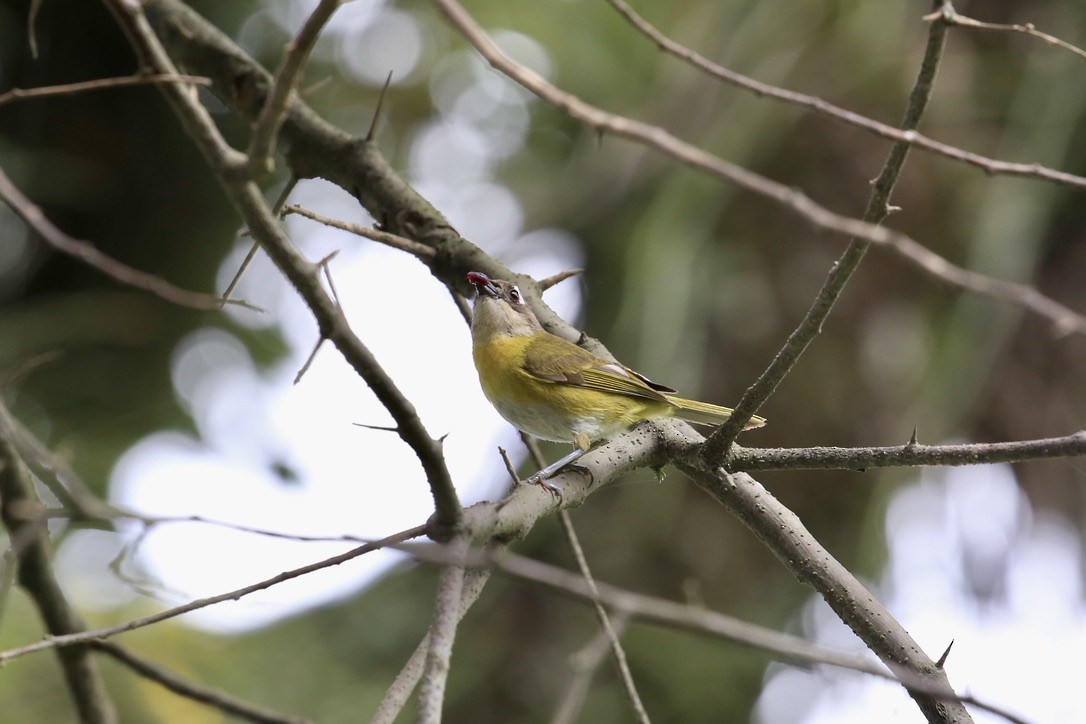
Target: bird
point(550, 388)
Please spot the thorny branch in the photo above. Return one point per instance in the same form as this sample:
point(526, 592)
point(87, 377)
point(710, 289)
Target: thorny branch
point(617, 652)
point(229, 166)
point(719, 443)
point(268, 123)
point(1065, 319)
point(841, 589)
point(517, 514)
point(912, 454)
point(990, 166)
point(639, 607)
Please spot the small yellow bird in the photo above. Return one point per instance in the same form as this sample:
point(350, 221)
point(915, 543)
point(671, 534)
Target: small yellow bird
point(553, 389)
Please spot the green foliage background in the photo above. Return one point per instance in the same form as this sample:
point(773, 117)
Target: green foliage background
point(691, 281)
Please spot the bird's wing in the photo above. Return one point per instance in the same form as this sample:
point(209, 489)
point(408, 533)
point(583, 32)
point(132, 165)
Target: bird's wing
point(567, 363)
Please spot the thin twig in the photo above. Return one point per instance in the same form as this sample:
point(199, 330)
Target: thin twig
point(435, 674)
point(400, 689)
point(56, 473)
point(617, 652)
point(780, 646)
point(68, 640)
point(911, 454)
point(718, 444)
point(1065, 320)
point(948, 14)
point(423, 252)
point(35, 218)
point(309, 360)
point(990, 166)
point(585, 663)
point(21, 94)
point(288, 188)
point(270, 120)
point(149, 521)
point(545, 284)
point(230, 705)
point(29, 538)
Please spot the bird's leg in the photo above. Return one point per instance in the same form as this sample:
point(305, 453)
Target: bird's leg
point(541, 477)
point(583, 445)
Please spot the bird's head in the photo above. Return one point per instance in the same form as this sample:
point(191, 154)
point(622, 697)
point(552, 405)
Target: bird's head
point(500, 309)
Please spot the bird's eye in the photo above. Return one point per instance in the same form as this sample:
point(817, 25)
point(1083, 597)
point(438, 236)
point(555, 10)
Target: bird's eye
point(514, 295)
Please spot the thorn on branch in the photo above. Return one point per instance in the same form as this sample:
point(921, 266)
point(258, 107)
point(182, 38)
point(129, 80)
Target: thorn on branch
point(942, 659)
point(545, 284)
point(377, 111)
point(276, 209)
point(309, 360)
point(912, 440)
point(323, 265)
point(382, 428)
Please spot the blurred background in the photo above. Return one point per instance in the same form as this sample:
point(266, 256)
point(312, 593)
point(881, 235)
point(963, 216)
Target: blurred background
point(175, 413)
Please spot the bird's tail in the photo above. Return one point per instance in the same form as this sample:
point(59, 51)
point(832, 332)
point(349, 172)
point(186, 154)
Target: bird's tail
point(702, 413)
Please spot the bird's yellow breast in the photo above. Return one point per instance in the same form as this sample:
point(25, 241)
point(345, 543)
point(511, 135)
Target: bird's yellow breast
point(546, 409)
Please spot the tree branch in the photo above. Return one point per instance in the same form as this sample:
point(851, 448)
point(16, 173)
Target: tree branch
point(719, 442)
point(33, 216)
point(287, 76)
point(303, 276)
point(315, 148)
point(68, 640)
point(949, 15)
point(1065, 319)
point(19, 512)
point(400, 689)
point(450, 588)
point(214, 698)
point(990, 166)
point(21, 94)
point(618, 654)
point(423, 252)
point(585, 663)
point(911, 454)
point(785, 535)
point(636, 606)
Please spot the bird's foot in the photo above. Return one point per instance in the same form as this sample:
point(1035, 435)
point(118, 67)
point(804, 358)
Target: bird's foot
point(540, 479)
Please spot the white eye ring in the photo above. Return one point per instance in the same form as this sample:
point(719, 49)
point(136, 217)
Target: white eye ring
point(514, 294)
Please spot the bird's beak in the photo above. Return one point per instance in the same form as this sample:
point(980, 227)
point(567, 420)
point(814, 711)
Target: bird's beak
point(483, 284)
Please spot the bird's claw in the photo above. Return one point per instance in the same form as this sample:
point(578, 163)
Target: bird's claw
point(541, 480)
